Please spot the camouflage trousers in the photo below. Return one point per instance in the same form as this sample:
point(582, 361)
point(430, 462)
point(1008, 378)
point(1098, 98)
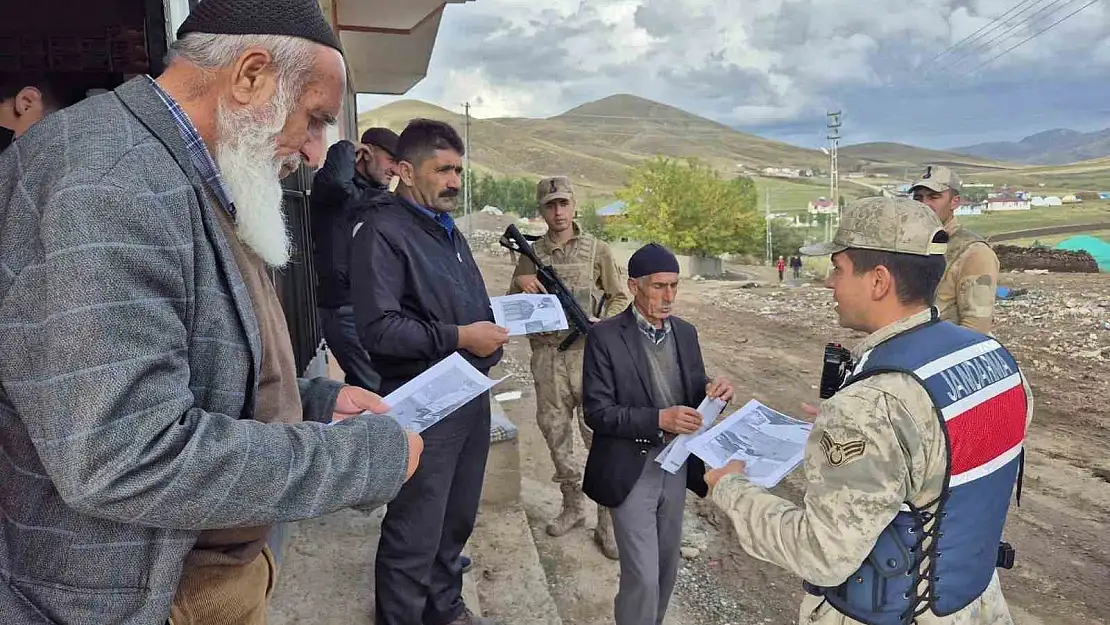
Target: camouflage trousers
point(989, 609)
point(558, 380)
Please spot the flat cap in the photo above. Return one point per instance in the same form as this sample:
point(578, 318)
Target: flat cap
point(383, 138)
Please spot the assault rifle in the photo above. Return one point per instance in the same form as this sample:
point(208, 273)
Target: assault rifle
point(516, 241)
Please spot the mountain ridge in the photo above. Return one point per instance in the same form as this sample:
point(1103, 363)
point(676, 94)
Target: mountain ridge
point(1056, 146)
point(596, 144)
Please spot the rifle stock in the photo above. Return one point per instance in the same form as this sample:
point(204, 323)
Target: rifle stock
point(514, 240)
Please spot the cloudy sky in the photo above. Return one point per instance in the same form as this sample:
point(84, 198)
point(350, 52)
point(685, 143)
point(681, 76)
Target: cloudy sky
point(774, 67)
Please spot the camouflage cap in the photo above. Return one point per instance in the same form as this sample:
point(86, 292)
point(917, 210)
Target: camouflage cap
point(938, 178)
point(897, 225)
point(554, 188)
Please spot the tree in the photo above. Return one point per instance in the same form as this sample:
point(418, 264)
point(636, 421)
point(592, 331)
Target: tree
point(592, 222)
point(516, 195)
point(974, 196)
point(689, 208)
point(786, 240)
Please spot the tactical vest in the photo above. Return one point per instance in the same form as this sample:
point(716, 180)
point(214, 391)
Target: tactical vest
point(948, 289)
point(577, 270)
point(960, 240)
point(942, 556)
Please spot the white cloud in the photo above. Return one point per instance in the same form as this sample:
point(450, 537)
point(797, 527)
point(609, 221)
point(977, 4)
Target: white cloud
point(755, 62)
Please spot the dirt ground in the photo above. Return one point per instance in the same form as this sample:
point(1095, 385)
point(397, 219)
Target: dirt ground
point(768, 339)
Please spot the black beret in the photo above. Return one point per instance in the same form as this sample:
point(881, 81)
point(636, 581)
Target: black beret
point(651, 258)
point(292, 18)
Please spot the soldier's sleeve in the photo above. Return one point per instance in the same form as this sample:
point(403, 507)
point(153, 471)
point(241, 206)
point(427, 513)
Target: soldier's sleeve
point(975, 288)
point(524, 267)
point(857, 477)
point(611, 282)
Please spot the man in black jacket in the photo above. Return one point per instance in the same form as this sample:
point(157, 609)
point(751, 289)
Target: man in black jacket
point(642, 378)
point(351, 177)
point(419, 297)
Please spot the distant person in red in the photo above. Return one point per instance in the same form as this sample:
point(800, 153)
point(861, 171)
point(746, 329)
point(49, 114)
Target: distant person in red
point(781, 266)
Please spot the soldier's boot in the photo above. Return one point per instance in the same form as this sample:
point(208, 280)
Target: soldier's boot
point(573, 513)
point(603, 535)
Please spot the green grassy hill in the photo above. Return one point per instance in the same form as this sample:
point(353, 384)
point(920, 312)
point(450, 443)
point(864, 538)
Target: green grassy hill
point(901, 160)
point(596, 144)
point(1084, 176)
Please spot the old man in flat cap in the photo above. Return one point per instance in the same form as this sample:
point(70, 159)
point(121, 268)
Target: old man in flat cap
point(153, 423)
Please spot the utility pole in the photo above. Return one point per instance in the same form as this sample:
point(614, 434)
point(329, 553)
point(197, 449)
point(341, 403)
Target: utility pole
point(767, 221)
point(466, 173)
point(834, 173)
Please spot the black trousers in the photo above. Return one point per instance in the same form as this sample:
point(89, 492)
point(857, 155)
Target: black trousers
point(417, 576)
point(338, 327)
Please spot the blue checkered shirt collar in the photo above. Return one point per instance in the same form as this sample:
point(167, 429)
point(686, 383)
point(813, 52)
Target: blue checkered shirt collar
point(198, 152)
point(443, 219)
point(654, 334)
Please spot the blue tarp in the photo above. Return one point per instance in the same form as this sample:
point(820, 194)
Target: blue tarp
point(1093, 245)
point(611, 210)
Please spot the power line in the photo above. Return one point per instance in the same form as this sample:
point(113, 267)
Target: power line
point(995, 22)
point(1003, 35)
point(1030, 38)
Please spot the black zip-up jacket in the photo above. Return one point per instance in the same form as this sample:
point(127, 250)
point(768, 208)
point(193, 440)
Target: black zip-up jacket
point(339, 195)
point(413, 285)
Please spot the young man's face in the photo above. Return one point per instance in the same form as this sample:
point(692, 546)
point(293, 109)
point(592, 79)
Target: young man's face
point(943, 203)
point(851, 292)
point(559, 214)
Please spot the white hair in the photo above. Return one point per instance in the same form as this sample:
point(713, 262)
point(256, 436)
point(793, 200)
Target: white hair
point(245, 150)
point(294, 57)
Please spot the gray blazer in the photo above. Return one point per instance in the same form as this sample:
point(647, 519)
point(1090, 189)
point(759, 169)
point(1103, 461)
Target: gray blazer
point(128, 375)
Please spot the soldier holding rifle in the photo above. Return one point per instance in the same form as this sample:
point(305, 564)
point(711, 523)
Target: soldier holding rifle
point(586, 266)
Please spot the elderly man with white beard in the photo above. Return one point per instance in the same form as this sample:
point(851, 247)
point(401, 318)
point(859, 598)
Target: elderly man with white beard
point(152, 424)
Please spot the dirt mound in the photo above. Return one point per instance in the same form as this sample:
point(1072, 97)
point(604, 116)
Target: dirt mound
point(1012, 257)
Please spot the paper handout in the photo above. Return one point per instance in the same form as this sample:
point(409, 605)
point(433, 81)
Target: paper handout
point(526, 313)
point(433, 395)
point(770, 443)
point(675, 454)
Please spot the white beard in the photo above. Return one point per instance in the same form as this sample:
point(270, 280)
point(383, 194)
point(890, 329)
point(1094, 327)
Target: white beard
point(251, 171)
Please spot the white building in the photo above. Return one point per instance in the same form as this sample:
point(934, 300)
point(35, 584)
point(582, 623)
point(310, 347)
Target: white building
point(998, 204)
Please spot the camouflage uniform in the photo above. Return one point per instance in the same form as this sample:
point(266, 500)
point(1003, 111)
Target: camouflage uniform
point(586, 266)
point(874, 445)
point(966, 293)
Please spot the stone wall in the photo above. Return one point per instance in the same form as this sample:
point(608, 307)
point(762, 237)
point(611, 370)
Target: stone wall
point(688, 266)
point(1012, 257)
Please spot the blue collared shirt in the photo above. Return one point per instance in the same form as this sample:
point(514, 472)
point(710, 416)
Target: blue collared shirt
point(198, 152)
point(443, 219)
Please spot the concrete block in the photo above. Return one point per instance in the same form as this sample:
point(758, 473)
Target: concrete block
point(502, 480)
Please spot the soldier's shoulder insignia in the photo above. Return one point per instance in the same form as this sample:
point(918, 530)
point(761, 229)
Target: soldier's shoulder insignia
point(839, 454)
